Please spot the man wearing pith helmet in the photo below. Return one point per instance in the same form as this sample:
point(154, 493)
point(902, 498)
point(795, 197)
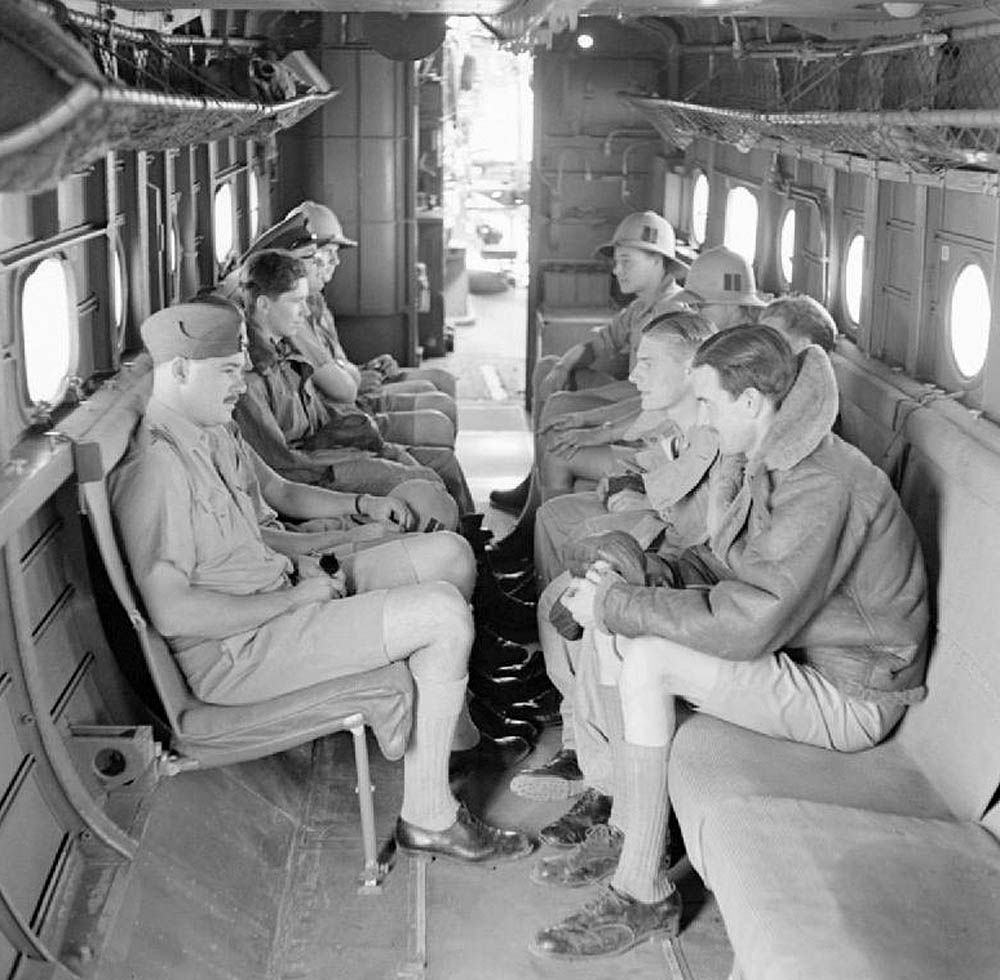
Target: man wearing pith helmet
point(248, 623)
point(584, 398)
point(721, 285)
point(329, 238)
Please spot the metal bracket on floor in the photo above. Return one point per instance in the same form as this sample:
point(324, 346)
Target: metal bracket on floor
point(373, 873)
point(415, 967)
point(677, 963)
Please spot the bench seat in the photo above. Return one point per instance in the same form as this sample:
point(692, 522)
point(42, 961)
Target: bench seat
point(817, 890)
point(713, 763)
point(883, 864)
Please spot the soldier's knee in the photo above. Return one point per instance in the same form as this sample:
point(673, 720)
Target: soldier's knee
point(452, 615)
point(643, 665)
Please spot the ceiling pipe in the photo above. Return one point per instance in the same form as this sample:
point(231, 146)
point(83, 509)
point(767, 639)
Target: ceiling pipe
point(818, 51)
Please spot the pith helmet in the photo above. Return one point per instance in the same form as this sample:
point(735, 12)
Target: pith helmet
point(721, 275)
point(650, 232)
point(291, 233)
point(324, 225)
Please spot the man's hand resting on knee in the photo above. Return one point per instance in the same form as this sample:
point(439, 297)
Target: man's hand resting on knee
point(618, 549)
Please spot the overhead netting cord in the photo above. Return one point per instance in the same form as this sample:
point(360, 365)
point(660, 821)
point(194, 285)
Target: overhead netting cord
point(928, 108)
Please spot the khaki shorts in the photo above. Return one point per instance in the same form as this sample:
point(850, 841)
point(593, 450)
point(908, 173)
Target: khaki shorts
point(315, 643)
point(776, 696)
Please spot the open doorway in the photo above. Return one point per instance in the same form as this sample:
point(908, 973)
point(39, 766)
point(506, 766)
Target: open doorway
point(485, 155)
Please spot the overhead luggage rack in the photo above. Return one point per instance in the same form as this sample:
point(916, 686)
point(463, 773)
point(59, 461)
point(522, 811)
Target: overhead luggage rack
point(73, 97)
point(90, 121)
point(928, 105)
point(926, 141)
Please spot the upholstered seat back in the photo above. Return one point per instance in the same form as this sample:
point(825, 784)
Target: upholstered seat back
point(946, 465)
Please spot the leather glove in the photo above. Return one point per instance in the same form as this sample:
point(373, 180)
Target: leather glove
point(621, 551)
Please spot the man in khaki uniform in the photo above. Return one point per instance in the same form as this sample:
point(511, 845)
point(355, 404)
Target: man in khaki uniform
point(245, 622)
point(583, 400)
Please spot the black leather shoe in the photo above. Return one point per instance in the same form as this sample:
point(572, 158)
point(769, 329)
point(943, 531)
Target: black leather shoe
point(526, 589)
point(470, 523)
point(503, 564)
point(534, 667)
point(478, 540)
point(514, 499)
point(494, 723)
point(511, 618)
point(490, 755)
point(591, 809)
point(468, 839)
point(501, 691)
point(512, 581)
point(511, 632)
point(542, 711)
point(489, 594)
point(558, 779)
point(512, 553)
point(491, 652)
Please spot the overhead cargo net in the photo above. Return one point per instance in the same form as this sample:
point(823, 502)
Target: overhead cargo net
point(67, 104)
point(929, 105)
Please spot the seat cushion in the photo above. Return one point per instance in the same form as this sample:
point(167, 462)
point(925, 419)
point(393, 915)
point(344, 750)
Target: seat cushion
point(712, 761)
point(829, 892)
point(222, 734)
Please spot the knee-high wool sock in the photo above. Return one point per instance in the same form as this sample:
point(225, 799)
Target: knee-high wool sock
point(427, 798)
point(466, 735)
point(642, 793)
point(614, 730)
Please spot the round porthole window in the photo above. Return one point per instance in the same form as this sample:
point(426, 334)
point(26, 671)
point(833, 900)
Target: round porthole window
point(854, 274)
point(741, 223)
point(699, 209)
point(253, 200)
point(119, 292)
point(969, 315)
point(223, 223)
point(786, 246)
point(48, 323)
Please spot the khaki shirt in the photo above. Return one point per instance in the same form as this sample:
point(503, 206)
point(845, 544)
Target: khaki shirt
point(615, 344)
point(323, 329)
point(189, 496)
point(281, 410)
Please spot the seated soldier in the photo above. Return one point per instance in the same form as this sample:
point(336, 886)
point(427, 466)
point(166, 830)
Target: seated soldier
point(411, 412)
point(721, 285)
point(285, 420)
point(380, 376)
point(808, 623)
point(314, 223)
point(245, 623)
point(674, 517)
point(583, 399)
point(802, 320)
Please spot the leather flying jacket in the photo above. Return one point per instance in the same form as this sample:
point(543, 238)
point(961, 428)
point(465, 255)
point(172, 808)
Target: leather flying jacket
point(810, 552)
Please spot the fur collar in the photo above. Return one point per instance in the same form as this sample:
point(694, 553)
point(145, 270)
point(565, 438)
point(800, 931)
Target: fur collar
point(805, 417)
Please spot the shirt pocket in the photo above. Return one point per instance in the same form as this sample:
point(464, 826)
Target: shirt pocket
point(212, 523)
